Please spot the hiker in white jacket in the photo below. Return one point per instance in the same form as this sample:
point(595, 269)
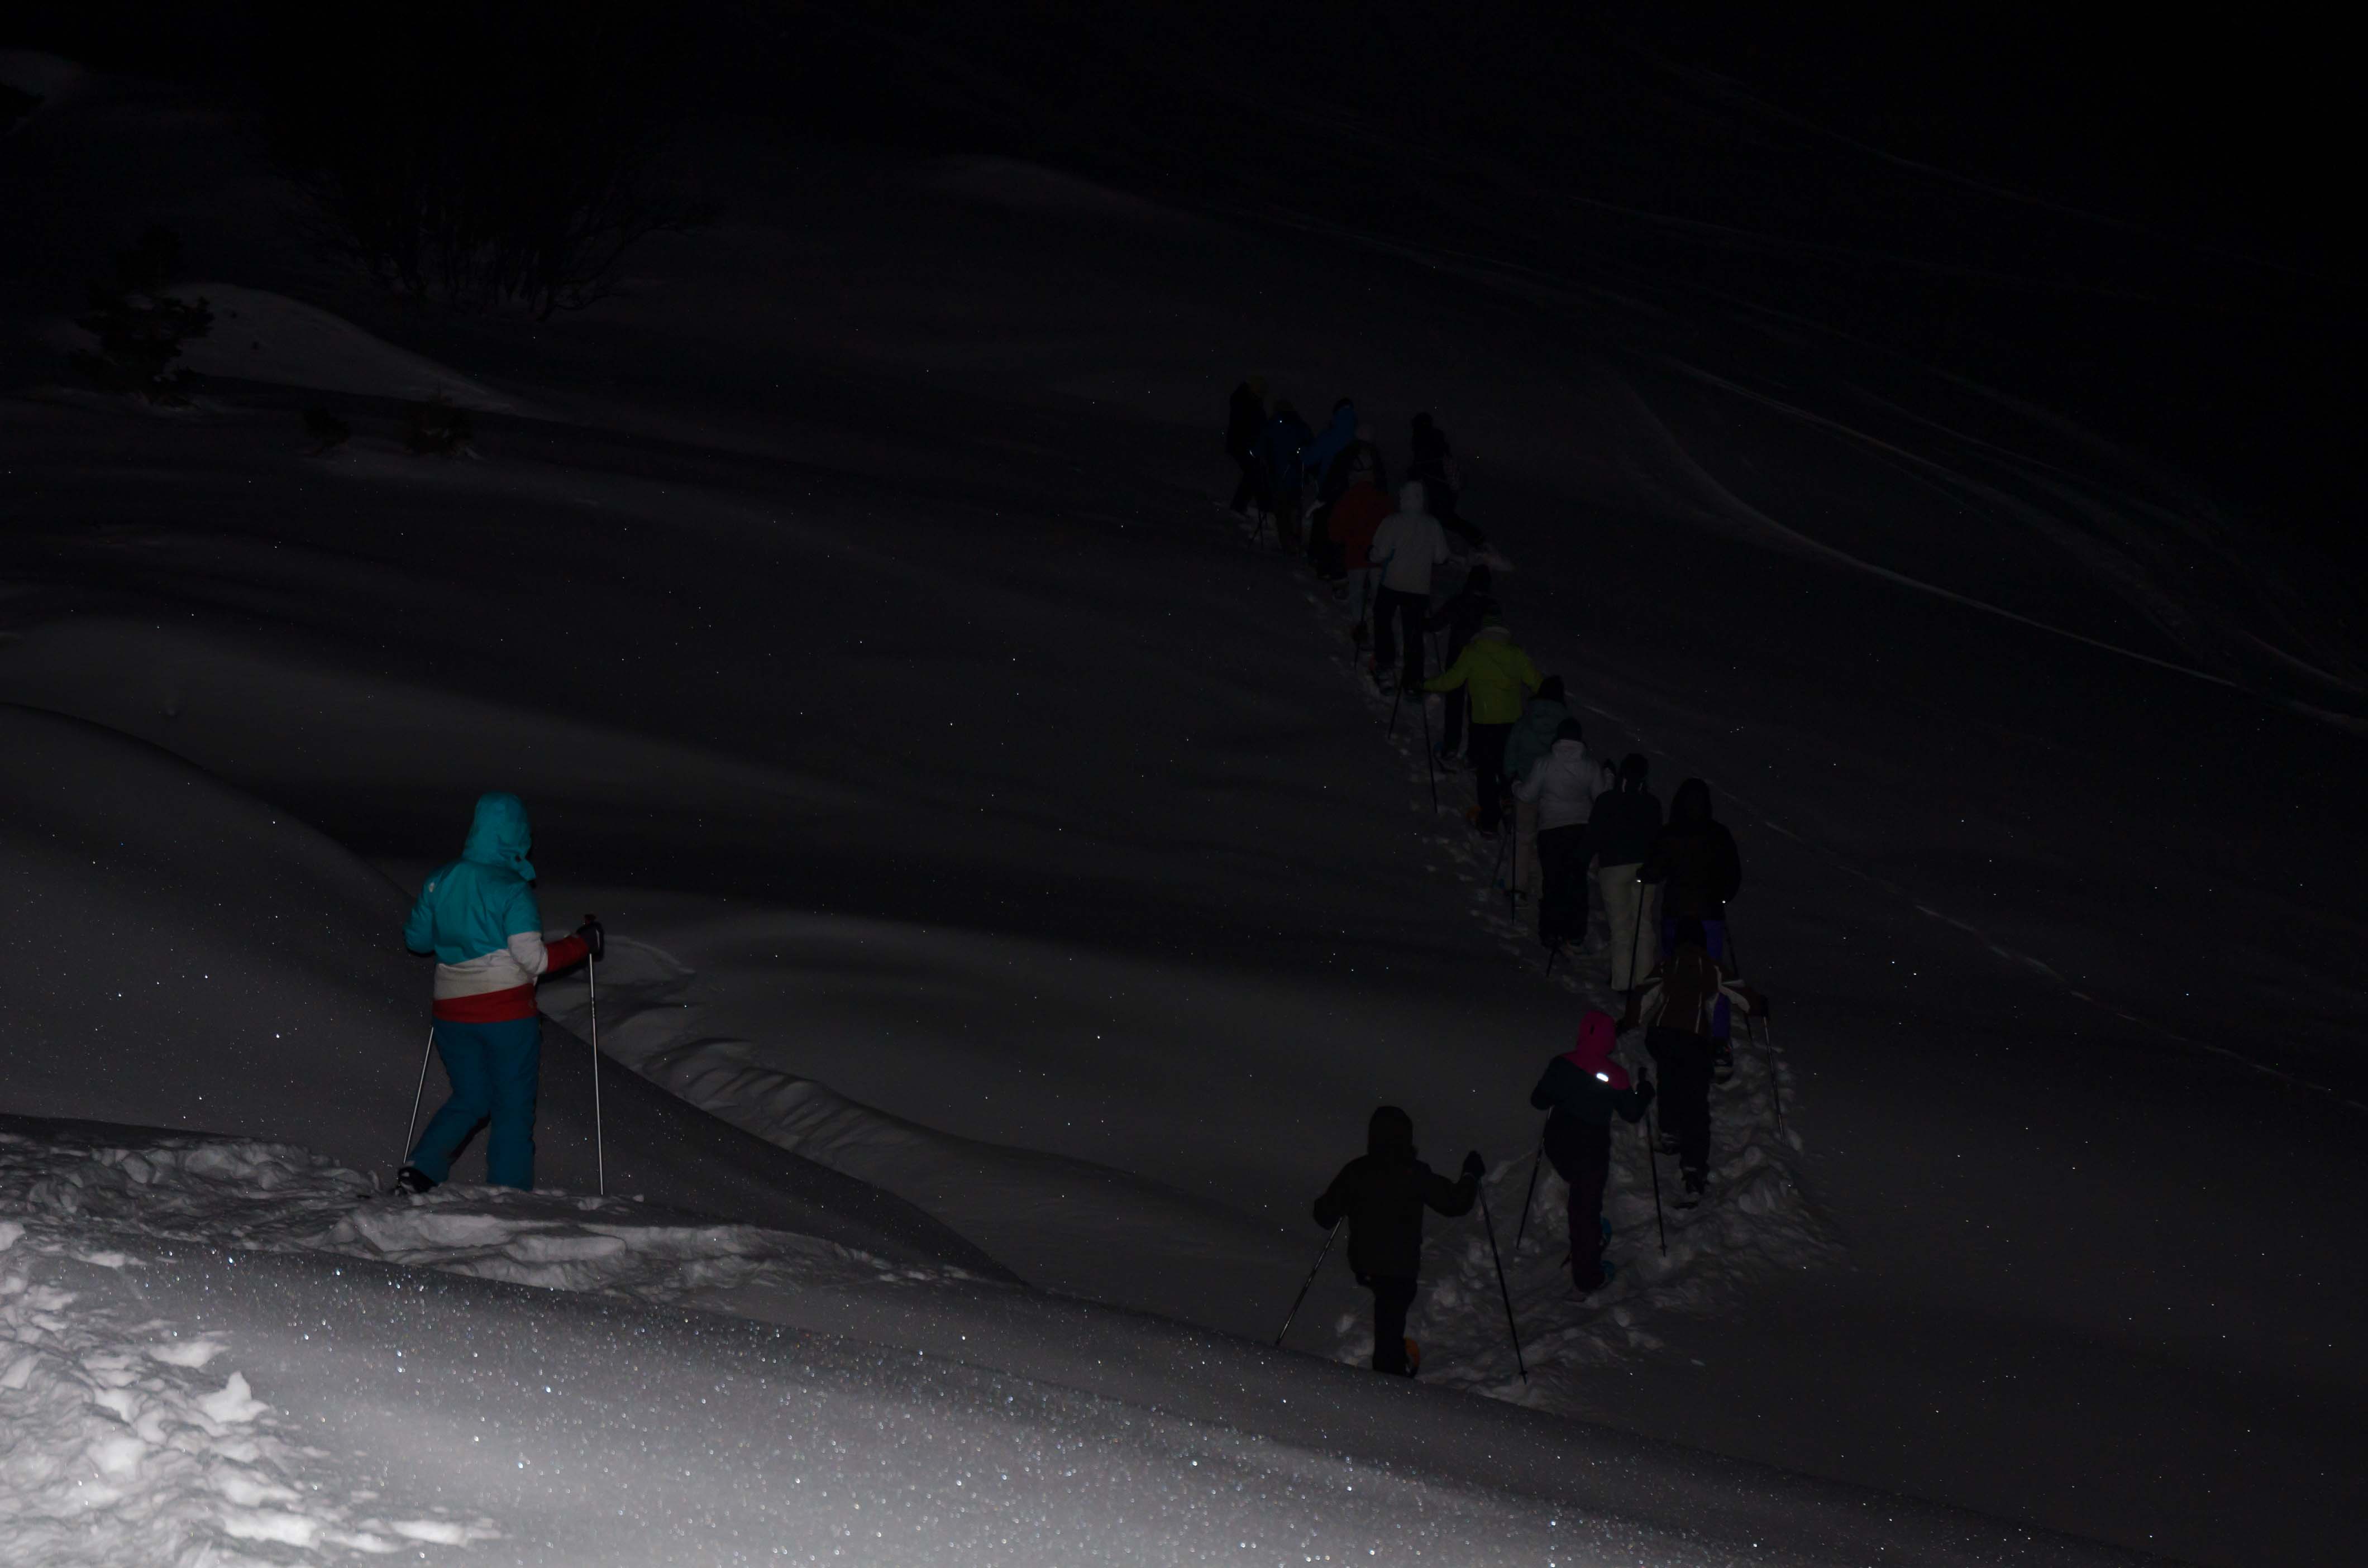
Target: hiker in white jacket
point(1563, 783)
point(1407, 545)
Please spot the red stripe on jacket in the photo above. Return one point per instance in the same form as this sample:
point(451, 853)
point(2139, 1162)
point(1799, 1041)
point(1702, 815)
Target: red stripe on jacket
point(487, 1007)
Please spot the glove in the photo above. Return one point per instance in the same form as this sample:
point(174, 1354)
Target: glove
point(595, 939)
point(1645, 1093)
point(1473, 1164)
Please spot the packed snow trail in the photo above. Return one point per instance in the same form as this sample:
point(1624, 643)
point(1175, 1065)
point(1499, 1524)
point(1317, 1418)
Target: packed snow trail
point(1756, 1218)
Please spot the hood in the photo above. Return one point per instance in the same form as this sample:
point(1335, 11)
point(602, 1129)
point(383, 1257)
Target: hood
point(1494, 631)
point(1411, 496)
point(1592, 1054)
point(1344, 422)
point(1390, 1133)
point(500, 834)
point(1691, 803)
point(1565, 746)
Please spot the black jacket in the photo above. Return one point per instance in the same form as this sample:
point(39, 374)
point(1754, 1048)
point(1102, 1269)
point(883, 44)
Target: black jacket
point(1381, 1193)
point(1624, 825)
point(1463, 616)
point(1696, 857)
point(1570, 1094)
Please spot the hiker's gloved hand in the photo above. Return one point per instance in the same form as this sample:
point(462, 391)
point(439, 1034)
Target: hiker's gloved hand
point(595, 939)
point(1473, 1164)
point(1645, 1092)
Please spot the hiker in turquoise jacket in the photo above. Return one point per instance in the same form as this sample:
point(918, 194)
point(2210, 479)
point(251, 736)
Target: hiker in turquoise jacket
point(478, 917)
point(1500, 676)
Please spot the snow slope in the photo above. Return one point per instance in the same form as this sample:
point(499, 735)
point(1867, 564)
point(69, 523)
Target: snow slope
point(206, 1363)
point(857, 620)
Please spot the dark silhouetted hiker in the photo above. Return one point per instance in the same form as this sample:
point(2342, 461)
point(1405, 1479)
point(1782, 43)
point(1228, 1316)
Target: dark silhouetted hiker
point(1381, 1194)
point(1563, 783)
point(1322, 456)
point(1433, 462)
point(1245, 422)
point(1541, 718)
point(1466, 611)
point(1353, 519)
point(1694, 861)
point(1622, 831)
point(1284, 438)
point(478, 917)
point(1499, 675)
point(1339, 434)
point(1361, 462)
point(1407, 547)
point(1581, 1090)
point(1675, 1005)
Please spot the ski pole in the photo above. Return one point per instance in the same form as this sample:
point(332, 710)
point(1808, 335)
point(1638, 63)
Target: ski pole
point(1552, 953)
point(1527, 1197)
point(1513, 879)
point(1653, 1159)
point(1775, 1068)
point(599, 1138)
point(1502, 1289)
point(1296, 1301)
point(418, 1095)
point(1396, 696)
point(1429, 758)
point(1636, 932)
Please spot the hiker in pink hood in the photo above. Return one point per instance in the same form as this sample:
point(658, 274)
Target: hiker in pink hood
point(1581, 1089)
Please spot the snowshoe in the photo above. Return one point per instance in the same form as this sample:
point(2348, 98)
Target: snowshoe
point(1666, 1145)
point(1722, 1065)
point(1690, 1195)
point(413, 1180)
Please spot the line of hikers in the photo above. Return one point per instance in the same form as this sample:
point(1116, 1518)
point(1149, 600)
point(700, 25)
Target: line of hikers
point(1664, 884)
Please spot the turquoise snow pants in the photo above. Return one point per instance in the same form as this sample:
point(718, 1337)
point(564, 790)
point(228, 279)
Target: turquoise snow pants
point(494, 1069)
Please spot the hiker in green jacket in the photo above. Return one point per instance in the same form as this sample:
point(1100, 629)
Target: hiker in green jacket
point(1499, 678)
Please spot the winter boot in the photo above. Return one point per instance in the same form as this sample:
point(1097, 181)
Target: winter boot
point(1696, 1182)
point(414, 1180)
point(1414, 1358)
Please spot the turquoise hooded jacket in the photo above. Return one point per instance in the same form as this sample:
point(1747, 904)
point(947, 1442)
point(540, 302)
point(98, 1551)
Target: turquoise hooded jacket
point(474, 906)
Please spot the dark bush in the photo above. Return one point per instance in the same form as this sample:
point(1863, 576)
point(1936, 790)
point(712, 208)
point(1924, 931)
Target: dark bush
point(484, 155)
point(140, 328)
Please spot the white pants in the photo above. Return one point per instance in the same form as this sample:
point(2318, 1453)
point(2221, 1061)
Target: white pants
point(1363, 582)
point(1632, 911)
point(1528, 879)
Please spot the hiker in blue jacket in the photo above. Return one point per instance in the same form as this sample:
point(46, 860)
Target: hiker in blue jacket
point(478, 917)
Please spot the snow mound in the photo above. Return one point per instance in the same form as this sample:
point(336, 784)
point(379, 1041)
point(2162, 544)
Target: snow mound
point(1062, 1223)
point(124, 1446)
point(278, 1198)
point(262, 336)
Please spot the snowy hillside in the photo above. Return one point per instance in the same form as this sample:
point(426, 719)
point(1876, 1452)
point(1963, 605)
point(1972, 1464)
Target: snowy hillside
point(1018, 903)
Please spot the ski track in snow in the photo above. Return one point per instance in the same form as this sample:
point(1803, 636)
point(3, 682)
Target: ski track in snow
point(1756, 1219)
point(135, 1442)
